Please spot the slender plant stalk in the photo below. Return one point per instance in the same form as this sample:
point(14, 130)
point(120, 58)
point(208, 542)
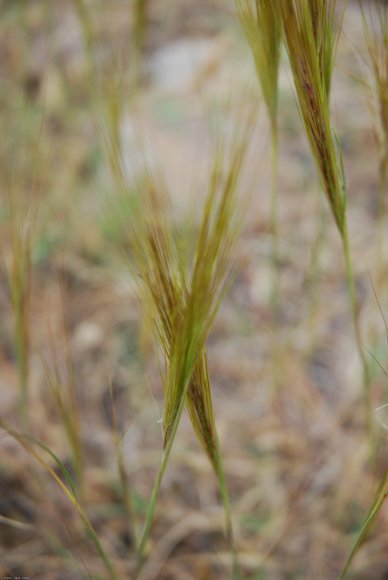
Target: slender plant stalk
point(311, 38)
point(381, 220)
point(123, 476)
point(261, 22)
point(374, 510)
point(22, 357)
point(64, 396)
point(357, 329)
point(274, 221)
point(315, 262)
point(276, 350)
point(158, 481)
point(106, 85)
point(219, 468)
point(28, 443)
point(375, 21)
point(156, 490)
point(64, 391)
point(23, 222)
point(139, 32)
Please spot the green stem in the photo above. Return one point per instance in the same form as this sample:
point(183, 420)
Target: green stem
point(139, 31)
point(156, 489)
point(274, 222)
point(314, 267)
point(381, 219)
point(274, 259)
point(357, 329)
point(380, 497)
point(97, 544)
point(220, 473)
point(126, 496)
point(22, 364)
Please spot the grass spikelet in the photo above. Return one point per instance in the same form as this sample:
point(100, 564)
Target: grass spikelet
point(261, 22)
point(310, 39)
point(325, 37)
point(310, 35)
point(183, 303)
point(375, 21)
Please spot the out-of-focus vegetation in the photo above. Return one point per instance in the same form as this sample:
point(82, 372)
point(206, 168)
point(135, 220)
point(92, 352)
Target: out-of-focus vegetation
point(137, 139)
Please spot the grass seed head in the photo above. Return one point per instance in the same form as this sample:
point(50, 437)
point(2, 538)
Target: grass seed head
point(261, 22)
point(310, 39)
point(375, 20)
point(181, 296)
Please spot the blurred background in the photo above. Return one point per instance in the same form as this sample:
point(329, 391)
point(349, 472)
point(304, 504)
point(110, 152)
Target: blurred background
point(167, 81)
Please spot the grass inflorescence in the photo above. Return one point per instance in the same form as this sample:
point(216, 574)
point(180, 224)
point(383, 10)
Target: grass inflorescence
point(375, 21)
point(181, 296)
point(95, 425)
point(311, 35)
point(184, 301)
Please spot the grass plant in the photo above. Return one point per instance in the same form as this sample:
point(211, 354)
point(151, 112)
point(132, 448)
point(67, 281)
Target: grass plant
point(375, 20)
point(66, 485)
point(182, 296)
point(64, 391)
point(183, 301)
point(314, 270)
point(23, 205)
point(311, 36)
point(19, 279)
point(106, 75)
point(290, 500)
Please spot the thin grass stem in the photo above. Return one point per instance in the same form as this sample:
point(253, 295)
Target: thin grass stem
point(315, 262)
point(382, 208)
point(156, 489)
point(274, 220)
point(28, 442)
point(123, 476)
point(220, 472)
point(373, 512)
point(356, 323)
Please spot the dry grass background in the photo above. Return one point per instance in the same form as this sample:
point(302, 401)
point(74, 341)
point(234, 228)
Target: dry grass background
point(297, 465)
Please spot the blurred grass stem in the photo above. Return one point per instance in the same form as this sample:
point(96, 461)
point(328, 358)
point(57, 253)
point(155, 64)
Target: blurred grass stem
point(357, 330)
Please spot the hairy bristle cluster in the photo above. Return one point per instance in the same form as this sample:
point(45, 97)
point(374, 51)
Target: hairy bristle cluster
point(174, 296)
point(375, 19)
point(310, 38)
point(261, 22)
